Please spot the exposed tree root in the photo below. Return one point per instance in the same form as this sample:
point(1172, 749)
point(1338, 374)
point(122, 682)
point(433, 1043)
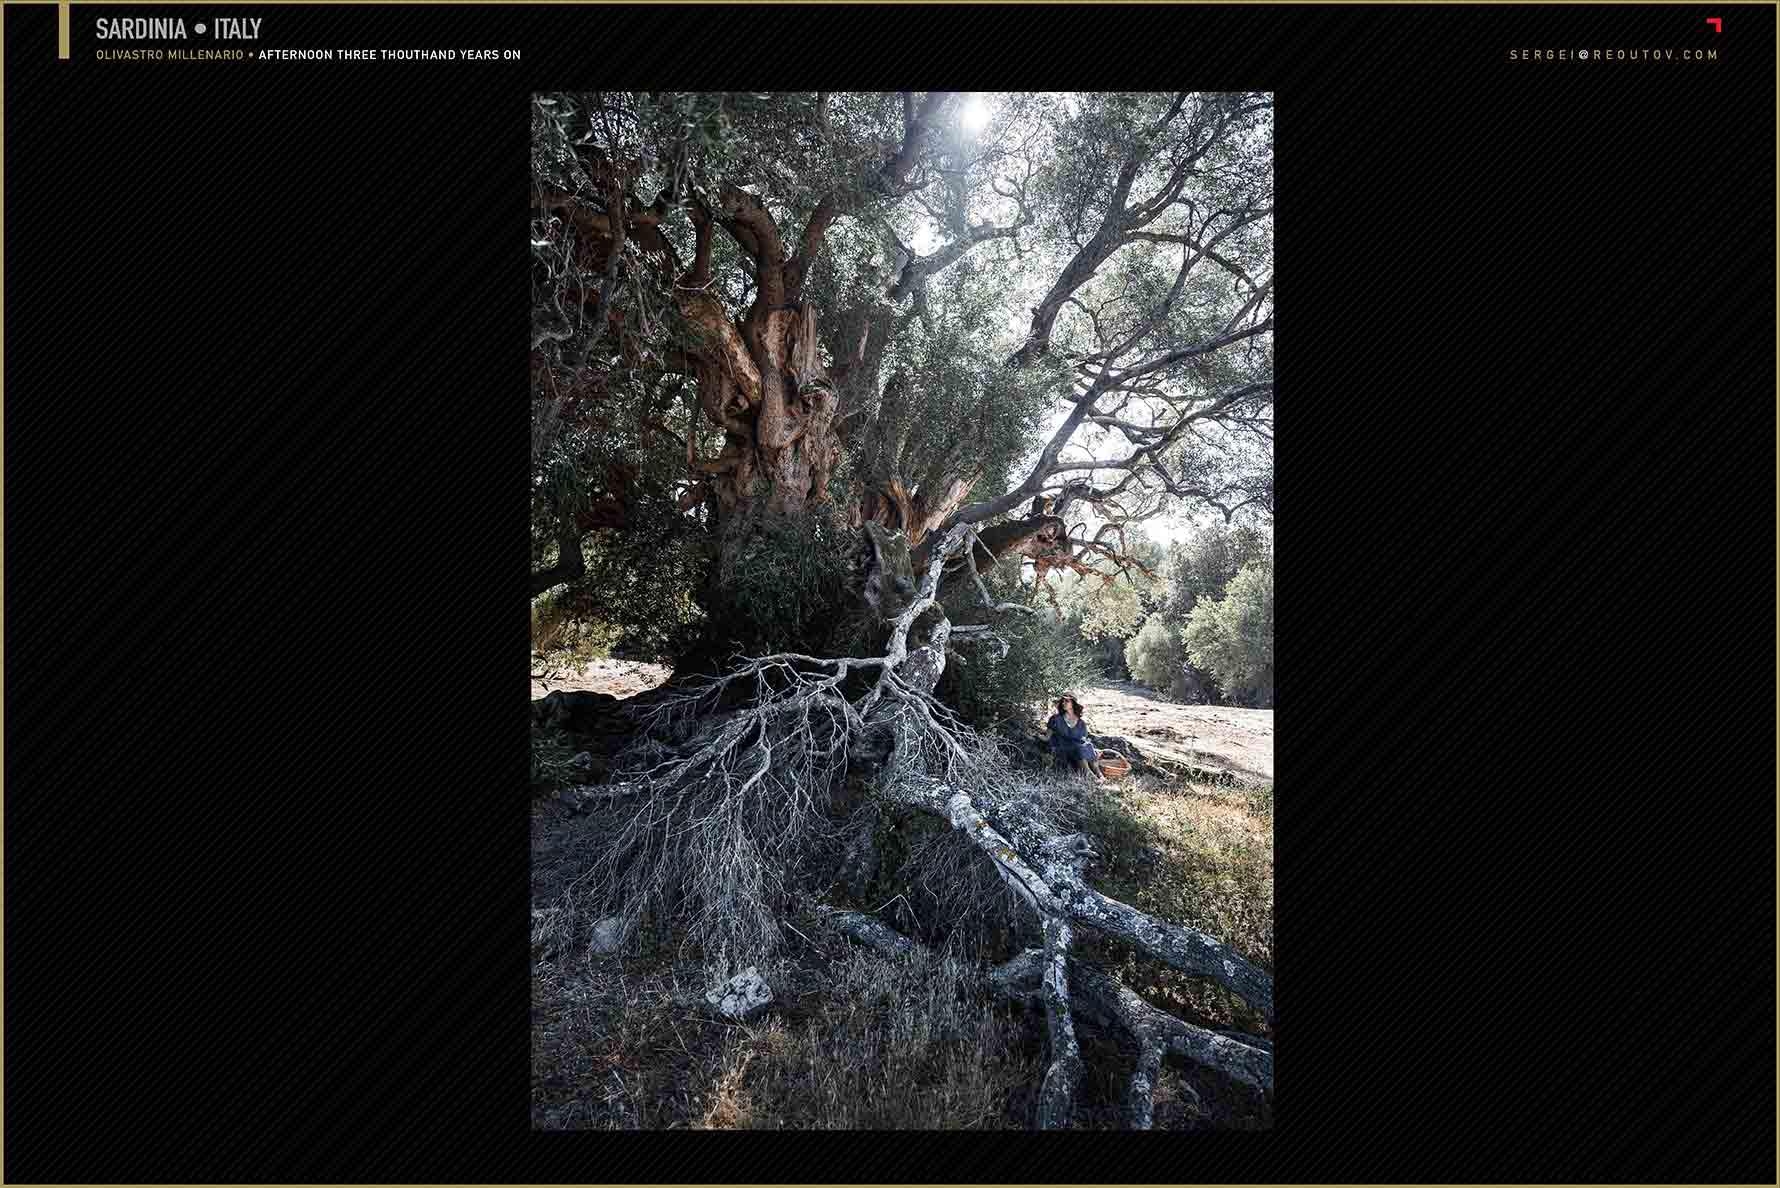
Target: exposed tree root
point(733, 782)
point(1056, 1096)
point(1140, 1093)
point(1057, 888)
point(1115, 1002)
point(1042, 977)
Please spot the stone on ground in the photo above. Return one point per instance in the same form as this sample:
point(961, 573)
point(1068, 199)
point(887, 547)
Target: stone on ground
point(608, 935)
point(745, 996)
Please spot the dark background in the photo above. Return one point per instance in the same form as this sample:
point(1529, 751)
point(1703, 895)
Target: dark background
point(265, 724)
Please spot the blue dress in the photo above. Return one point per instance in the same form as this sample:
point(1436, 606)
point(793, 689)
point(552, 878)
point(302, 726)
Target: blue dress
point(1070, 742)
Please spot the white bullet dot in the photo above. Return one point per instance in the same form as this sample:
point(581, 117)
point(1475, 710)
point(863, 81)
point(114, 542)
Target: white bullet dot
point(199, 28)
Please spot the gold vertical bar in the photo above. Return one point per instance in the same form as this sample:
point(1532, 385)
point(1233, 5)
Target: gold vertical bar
point(62, 28)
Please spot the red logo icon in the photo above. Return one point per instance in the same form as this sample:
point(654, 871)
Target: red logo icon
point(1717, 24)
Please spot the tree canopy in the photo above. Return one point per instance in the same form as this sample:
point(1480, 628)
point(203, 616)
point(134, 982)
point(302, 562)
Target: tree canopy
point(1232, 638)
point(1044, 315)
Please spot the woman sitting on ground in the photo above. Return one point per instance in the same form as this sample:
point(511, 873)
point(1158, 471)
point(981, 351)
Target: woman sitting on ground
point(1069, 738)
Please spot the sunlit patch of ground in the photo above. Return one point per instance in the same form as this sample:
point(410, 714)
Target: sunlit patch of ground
point(620, 678)
point(1239, 741)
point(1197, 853)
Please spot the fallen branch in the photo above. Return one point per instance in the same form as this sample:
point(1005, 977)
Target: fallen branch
point(1186, 949)
point(1115, 1002)
point(1060, 890)
point(1056, 1096)
point(870, 932)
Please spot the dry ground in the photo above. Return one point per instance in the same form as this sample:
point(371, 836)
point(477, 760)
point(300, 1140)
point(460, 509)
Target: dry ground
point(620, 678)
point(1217, 737)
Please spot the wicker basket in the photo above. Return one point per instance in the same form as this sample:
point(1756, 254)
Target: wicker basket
point(1114, 765)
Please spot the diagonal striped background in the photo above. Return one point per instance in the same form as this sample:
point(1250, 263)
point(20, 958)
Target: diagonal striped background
point(265, 856)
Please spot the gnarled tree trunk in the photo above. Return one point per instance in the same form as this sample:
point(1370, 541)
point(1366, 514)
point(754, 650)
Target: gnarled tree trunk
point(761, 378)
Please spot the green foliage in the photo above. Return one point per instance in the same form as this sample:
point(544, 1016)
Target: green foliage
point(1154, 654)
point(567, 632)
point(947, 408)
point(1100, 609)
point(643, 585)
point(1200, 566)
point(1044, 658)
point(1233, 638)
point(1110, 612)
point(551, 754)
point(635, 598)
point(782, 584)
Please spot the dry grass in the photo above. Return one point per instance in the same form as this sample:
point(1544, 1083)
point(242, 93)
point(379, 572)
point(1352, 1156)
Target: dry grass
point(896, 1046)
point(1194, 852)
point(730, 1106)
point(860, 1042)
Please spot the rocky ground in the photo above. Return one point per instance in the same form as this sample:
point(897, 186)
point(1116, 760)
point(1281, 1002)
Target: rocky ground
point(1213, 738)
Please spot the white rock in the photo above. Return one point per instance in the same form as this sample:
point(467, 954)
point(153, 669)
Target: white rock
point(608, 935)
point(743, 997)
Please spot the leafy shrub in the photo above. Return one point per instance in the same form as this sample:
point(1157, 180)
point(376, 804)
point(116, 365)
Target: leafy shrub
point(551, 754)
point(567, 632)
point(781, 585)
point(1100, 609)
point(1233, 638)
point(1044, 658)
point(1155, 654)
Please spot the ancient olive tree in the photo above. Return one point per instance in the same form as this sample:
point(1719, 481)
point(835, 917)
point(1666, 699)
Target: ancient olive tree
point(954, 330)
point(797, 298)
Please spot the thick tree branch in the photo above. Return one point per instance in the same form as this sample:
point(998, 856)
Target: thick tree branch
point(1121, 222)
point(917, 123)
point(919, 269)
point(1216, 342)
point(1249, 1064)
point(570, 565)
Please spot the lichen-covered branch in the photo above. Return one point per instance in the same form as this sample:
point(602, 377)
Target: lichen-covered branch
point(1140, 1091)
point(1056, 1096)
point(1057, 888)
point(1111, 1000)
point(871, 932)
point(1186, 949)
